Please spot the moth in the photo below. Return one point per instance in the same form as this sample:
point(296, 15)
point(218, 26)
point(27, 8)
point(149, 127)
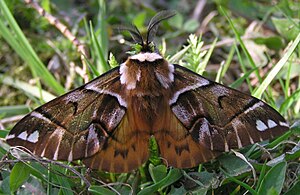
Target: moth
point(108, 122)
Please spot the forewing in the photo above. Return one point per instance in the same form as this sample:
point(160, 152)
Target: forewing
point(221, 118)
point(75, 125)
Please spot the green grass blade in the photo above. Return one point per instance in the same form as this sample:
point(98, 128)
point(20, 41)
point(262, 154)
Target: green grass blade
point(98, 52)
point(240, 80)
point(238, 37)
point(8, 111)
point(261, 175)
point(243, 67)
point(246, 186)
point(224, 67)
point(173, 176)
point(21, 45)
point(258, 93)
point(176, 57)
point(289, 101)
point(29, 89)
point(102, 27)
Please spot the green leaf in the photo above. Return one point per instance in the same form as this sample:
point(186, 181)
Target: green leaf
point(272, 191)
point(19, 174)
point(157, 172)
point(176, 21)
point(197, 182)
point(173, 176)
point(4, 185)
point(296, 127)
point(293, 154)
point(190, 25)
point(286, 27)
point(294, 190)
point(274, 42)
point(233, 165)
point(61, 180)
point(100, 190)
point(261, 175)
point(139, 20)
point(178, 191)
point(274, 179)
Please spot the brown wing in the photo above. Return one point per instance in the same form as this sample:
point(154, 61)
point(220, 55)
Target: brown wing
point(75, 125)
point(177, 146)
point(126, 150)
point(221, 118)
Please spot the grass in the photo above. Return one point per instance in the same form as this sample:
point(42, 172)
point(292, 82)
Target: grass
point(271, 167)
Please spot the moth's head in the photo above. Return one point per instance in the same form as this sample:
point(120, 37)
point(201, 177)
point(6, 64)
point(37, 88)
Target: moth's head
point(146, 70)
point(146, 45)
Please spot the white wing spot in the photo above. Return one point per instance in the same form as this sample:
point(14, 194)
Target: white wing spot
point(43, 153)
point(70, 157)
point(10, 136)
point(283, 124)
point(257, 105)
point(236, 124)
point(261, 126)
point(56, 152)
point(226, 147)
point(33, 137)
point(271, 123)
point(251, 140)
point(23, 135)
point(57, 134)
